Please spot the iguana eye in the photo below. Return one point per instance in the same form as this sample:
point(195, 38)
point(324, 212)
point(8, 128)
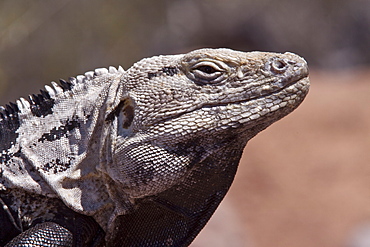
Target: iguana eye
point(206, 69)
point(206, 72)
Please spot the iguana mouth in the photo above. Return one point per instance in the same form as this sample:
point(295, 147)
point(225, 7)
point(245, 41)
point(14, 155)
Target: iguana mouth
point(303, 81)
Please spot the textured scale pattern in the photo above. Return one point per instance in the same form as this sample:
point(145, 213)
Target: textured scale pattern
point(140, 157)
point(44, 234)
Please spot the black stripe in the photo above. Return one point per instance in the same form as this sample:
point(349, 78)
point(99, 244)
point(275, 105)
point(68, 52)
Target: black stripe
point(9, 123)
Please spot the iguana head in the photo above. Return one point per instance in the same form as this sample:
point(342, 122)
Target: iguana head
point(181, 128)
point(181, 109)
point(206, 80)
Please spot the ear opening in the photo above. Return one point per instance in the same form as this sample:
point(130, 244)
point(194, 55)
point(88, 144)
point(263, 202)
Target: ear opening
point(124, 112)
point(128, 113)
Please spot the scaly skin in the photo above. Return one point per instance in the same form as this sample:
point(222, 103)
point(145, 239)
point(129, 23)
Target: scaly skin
point(144, 156)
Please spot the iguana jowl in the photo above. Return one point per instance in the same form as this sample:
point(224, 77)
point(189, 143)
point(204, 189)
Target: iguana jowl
point(140, 157)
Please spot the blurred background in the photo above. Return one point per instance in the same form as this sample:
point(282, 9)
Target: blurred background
point(305, 181)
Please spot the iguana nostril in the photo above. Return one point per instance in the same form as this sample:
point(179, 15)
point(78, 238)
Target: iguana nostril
point(278, 66)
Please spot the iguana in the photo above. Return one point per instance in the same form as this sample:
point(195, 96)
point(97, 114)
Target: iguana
point(140, 157)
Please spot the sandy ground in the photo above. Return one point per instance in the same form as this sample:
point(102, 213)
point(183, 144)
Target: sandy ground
point(305, 181)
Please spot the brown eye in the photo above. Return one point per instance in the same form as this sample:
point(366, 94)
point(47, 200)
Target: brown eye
point(206, 72)
point(206, 69)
